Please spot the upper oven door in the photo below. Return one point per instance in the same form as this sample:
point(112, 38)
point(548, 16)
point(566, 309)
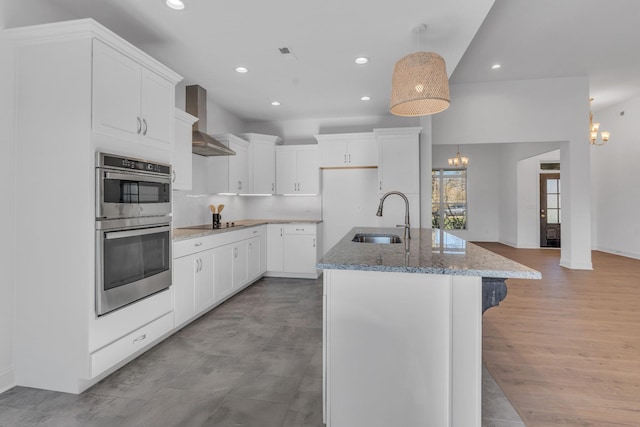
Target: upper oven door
point(124, 194)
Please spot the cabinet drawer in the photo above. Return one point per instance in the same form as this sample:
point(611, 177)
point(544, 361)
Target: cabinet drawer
point(299, 229)
point(128, 345)
point(191, 246)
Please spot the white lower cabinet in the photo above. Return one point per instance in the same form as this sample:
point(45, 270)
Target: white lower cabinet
point(210, 269)
point(293, 250)
point(130, 344)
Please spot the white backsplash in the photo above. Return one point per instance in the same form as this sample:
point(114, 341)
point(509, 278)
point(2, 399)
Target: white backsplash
point(192, 207)
point(283, 207)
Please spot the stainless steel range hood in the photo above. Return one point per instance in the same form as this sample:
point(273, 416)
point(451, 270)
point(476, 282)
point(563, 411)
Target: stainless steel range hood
point(202, 143)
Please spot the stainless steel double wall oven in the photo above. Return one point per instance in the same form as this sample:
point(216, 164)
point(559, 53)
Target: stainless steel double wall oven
point(133, 230)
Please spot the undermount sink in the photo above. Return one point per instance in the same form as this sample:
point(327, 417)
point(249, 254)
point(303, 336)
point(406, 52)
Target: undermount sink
point(376, 238)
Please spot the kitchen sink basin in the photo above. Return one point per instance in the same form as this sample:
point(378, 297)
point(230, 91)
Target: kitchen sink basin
point(376, 238)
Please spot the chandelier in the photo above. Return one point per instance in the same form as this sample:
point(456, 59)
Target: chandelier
point(458, 160)
point(419, 85)
point(593, 130)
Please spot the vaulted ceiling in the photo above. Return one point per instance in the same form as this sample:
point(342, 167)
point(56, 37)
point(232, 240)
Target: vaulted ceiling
point(207, 40)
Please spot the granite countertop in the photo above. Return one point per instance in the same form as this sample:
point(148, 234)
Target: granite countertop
point(196, 231)
point(428, 252)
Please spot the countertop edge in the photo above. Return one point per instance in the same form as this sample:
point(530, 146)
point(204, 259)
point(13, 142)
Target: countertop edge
point(190, 233)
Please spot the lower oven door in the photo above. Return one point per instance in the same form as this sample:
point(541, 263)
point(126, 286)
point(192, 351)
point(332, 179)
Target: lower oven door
point(132, 263)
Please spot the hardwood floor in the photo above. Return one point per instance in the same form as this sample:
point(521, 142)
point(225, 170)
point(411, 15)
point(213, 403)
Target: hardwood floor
point(566, 349)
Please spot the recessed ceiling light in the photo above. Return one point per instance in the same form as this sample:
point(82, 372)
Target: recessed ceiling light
point(175, 4)
point(242, 70)
point(365, 98)
point(361, 60)
point(495, 66)
point(275, 103)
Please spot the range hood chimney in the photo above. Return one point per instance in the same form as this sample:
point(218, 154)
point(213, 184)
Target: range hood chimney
point(202, 143)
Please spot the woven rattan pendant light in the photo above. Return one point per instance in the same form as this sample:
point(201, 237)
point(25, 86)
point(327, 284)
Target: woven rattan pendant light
point(419, 85)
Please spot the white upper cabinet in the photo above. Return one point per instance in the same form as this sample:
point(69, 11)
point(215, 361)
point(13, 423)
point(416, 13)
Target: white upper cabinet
point(181, 160)
point(348, 150)
point(297, 169)
point(230, 174)
point(130, 101)
point(399, 159)
point(262, 163)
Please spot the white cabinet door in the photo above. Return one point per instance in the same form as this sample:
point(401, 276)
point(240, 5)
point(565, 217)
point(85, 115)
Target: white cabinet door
point(116, 94)
point(348, 150)
point(263, 167)
point(399, 162)
point(230, 174)
point(157, 110)
point(239, 264)
point(184, 272)
point(254, 258)
point(286, 170)
point(223, 273)
point(239, 169)
point(333, 152)
point(275, 247)
point(131, 102)
point(363, 151)
point(204, 282)
point(308, 167)
point(300, 253)
point(181, 163)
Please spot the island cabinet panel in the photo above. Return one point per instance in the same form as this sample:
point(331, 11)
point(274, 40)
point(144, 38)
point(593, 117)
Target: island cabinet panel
point(401, 349)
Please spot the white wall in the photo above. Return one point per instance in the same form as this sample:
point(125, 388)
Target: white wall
point(615, 178)
point(7, 213)
point(545, 110)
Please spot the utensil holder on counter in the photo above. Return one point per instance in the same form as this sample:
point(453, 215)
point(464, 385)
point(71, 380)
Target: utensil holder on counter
point(216, 220)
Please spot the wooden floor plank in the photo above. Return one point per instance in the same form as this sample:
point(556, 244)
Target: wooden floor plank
point(566, 349)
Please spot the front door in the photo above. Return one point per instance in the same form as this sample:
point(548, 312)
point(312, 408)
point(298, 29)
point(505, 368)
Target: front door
point(550, 214)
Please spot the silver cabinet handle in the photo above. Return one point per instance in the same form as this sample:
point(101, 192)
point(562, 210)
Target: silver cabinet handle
point(140, 338)
point(239, 185)
point(380, 185)
point(198, 244)
point(349, 158)
point(255, 231)
point(235, 252)
point(173, 174)
point(273, 187)
point(139, 125)
point(144, 122)
point(314, 242)
point(280, 231)
point(345, 158)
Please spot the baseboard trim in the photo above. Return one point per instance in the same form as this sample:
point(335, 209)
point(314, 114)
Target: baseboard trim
point(576, 265)
point(7, 380)
point(618, 252)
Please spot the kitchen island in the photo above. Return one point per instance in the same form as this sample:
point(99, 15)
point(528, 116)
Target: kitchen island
point(403, 328)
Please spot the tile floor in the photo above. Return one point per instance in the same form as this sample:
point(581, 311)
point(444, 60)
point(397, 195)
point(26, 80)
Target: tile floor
point(254, 361)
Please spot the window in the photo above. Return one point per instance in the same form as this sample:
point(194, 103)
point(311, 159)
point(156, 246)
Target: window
point(449, 199)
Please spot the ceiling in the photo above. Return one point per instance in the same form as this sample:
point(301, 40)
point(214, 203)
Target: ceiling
point(207, 40)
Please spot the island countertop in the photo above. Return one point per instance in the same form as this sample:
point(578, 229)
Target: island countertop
point(427, 252)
